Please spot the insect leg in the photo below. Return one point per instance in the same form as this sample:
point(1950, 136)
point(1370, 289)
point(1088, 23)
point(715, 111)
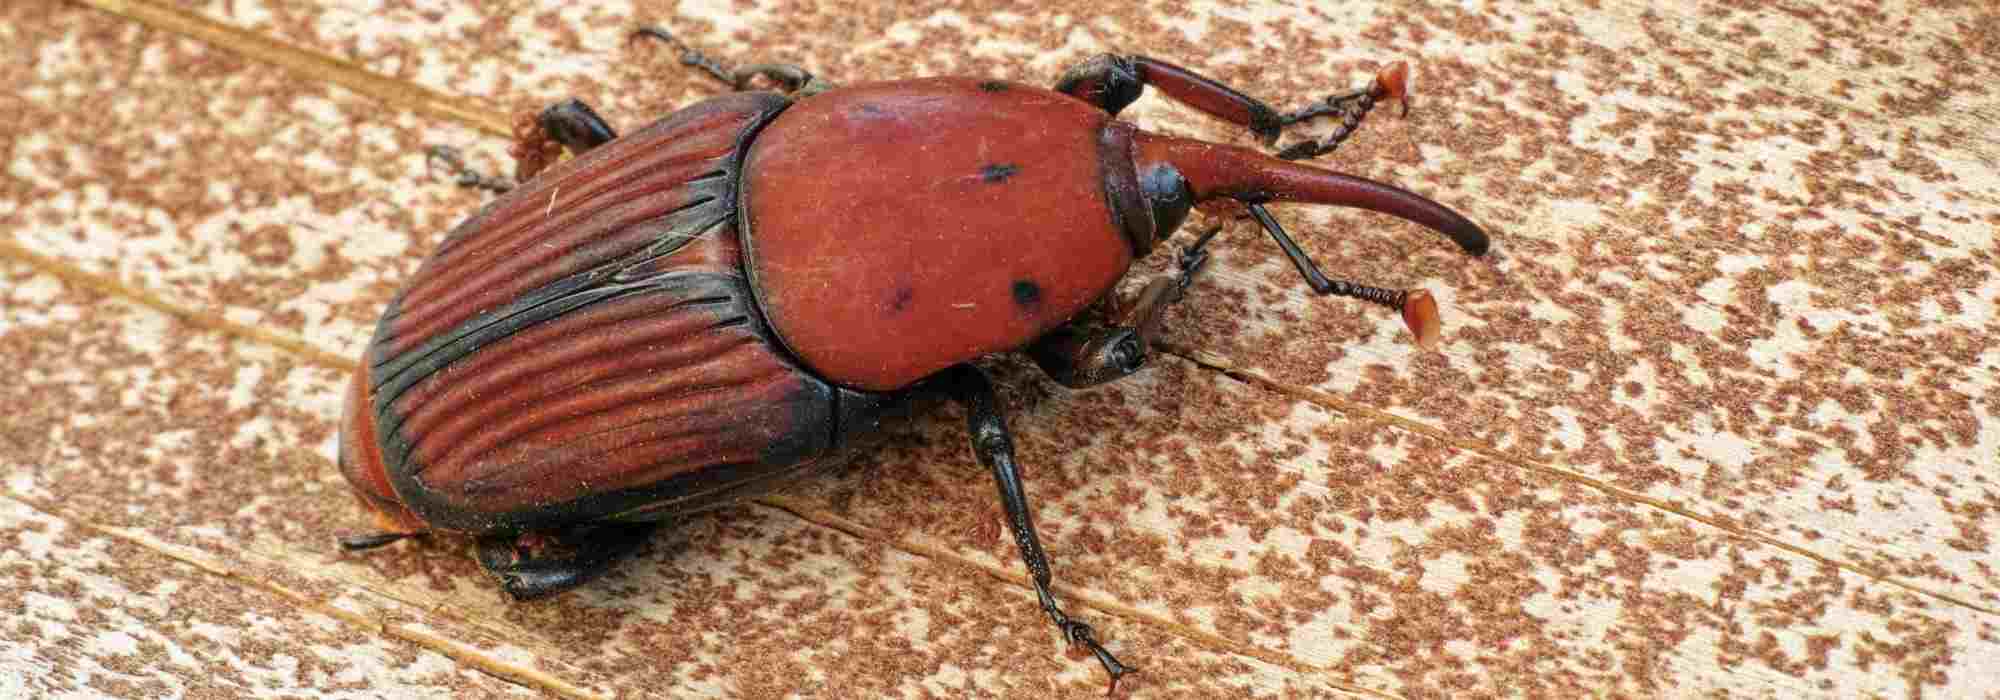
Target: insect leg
point(464, 176)
point(1113, 82)
point(795, 80)
point(1350, 107)
point(574, 125)
point(356, 543)
point(540, 138)
point(1078, 356)
point(534, 565)
point(969, 386)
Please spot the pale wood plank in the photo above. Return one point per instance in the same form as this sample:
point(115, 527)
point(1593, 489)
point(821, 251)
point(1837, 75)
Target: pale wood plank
point(93, 615)
point(1724, 242)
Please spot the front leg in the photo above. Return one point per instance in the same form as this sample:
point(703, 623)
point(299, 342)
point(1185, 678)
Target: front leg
point(969, 387)
point(796, 81)
point(1078, 356)
point(1113, 82)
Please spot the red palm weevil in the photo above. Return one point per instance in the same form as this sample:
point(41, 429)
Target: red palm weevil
point(739, 293)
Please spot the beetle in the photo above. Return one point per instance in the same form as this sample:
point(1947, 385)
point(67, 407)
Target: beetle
point(752, 286)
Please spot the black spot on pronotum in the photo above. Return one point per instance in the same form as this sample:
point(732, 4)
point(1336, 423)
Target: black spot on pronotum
point(1026, 293)
point(999, 172)
point(993, 86)
point(901, 300)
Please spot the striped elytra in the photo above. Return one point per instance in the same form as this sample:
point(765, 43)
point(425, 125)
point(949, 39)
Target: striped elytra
point(586, 347)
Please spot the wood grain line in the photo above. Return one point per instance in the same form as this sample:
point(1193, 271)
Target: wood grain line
point(310, 64)
point(71, 274)
point(525, 677)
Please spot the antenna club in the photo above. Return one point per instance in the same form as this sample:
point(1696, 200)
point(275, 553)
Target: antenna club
point(1420, 313)
point(1393, 83)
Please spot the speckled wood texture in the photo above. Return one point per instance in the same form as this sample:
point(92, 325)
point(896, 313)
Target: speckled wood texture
point(1716, 419)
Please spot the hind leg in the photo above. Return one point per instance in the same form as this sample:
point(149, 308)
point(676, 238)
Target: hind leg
point(539, 139)
point(537, 564)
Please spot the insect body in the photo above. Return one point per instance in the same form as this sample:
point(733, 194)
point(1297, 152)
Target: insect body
point(748, 288)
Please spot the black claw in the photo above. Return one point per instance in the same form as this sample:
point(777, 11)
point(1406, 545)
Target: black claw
point(447, 154)
point(689, 56)
point(1080, 633)
point(1333, 104)
point(356, 543)
point(1300, 151)
point(1351, 107)
point(1194, 257)
point(1190, 264)
point(1116, 674)
point(463, 176)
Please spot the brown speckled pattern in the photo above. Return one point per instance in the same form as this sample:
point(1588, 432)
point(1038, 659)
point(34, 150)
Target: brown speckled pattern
point(1717, 419)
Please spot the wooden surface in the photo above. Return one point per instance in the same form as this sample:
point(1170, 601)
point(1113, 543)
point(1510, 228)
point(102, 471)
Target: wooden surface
point(1717, 419)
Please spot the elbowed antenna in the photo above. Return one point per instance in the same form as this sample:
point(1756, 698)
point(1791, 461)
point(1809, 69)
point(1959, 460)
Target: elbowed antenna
point(1420, 311)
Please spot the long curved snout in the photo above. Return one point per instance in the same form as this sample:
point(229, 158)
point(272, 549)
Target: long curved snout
point(1219, 170)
